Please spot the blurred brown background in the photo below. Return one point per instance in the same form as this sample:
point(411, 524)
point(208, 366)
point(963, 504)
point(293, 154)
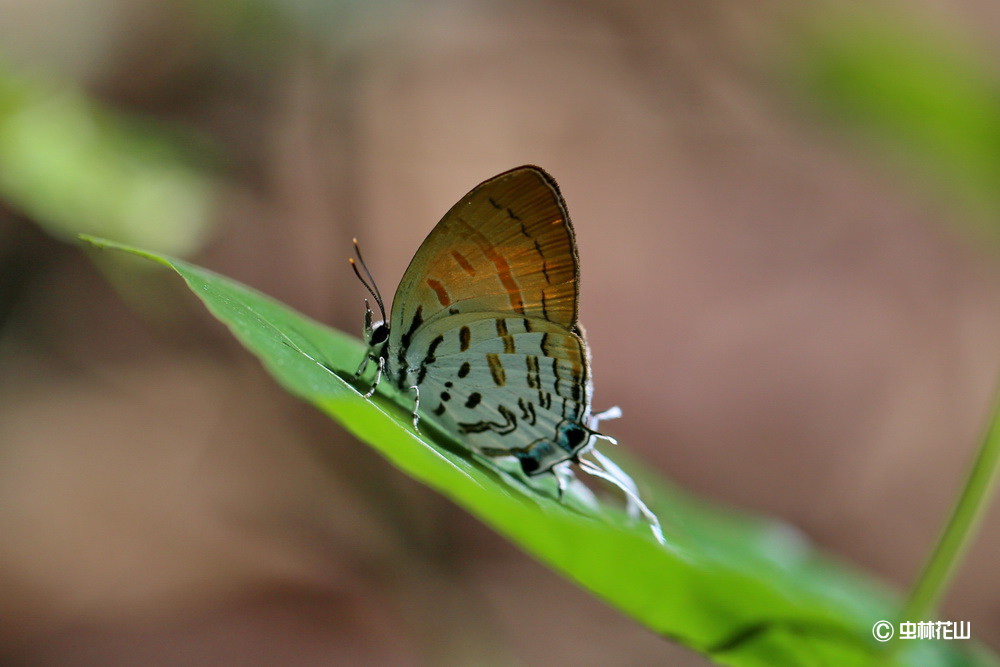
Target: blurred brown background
point(792, 321)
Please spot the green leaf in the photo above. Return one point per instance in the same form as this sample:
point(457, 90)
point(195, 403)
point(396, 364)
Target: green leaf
point(742, 589)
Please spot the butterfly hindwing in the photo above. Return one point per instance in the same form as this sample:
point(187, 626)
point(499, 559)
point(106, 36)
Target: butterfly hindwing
point(520, 386)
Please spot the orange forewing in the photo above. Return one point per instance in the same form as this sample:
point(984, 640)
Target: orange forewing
point(506, 247)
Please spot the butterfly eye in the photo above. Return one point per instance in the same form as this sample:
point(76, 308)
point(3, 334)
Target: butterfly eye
point(379, 335)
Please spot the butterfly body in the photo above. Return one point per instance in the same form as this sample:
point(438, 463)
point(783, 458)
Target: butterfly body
point(484, 330)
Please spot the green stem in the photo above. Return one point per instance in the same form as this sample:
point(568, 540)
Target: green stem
point(960, 529)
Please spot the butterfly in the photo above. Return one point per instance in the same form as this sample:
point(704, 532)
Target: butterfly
point(484, 331)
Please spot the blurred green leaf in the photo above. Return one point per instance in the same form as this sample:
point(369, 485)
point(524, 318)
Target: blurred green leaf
point(75, 167)
point(742, 589)
point(914, 89)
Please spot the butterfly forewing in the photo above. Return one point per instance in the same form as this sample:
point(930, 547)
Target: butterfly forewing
point(506, 247)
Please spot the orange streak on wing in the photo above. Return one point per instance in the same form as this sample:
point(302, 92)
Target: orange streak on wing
point(463, 262)
point(442, 293)
point(503, 272)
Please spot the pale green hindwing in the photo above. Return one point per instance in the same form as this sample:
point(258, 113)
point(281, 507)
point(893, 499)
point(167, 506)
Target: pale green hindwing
point(508, 385)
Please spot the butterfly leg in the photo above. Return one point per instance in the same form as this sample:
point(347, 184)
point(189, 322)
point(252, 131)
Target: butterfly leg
point(614, 412)
point(563, 477)
point(416, 407)
point(363, 366)
point(378, 377)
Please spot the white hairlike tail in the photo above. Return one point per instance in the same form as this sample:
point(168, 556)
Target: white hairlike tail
point(609, 471)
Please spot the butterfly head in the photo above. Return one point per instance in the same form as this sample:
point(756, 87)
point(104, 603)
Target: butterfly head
point(375, 332)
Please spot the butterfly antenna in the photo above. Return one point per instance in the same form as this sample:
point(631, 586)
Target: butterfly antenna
point(369, 284)
point(354, 266)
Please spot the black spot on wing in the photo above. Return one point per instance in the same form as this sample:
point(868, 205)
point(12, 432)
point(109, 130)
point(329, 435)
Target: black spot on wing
point(529, 465)
point(545, 264)
point(429, 358)
point(555, 372)
point(432, 349)
point(527, 411)
point(571, 436)
point(415, 322)
point(508, 426)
